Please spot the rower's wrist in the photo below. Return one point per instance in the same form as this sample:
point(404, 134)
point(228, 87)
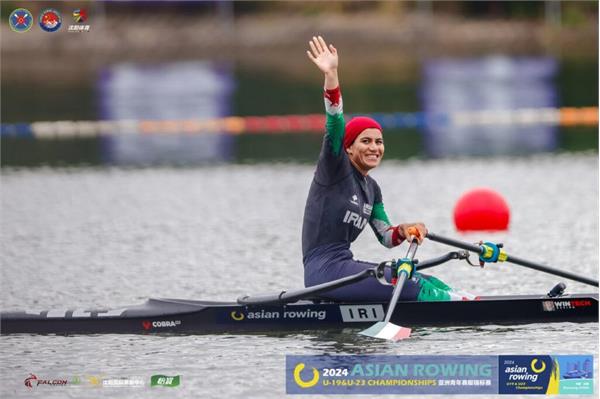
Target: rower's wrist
point(401, 233)
point(331, 79)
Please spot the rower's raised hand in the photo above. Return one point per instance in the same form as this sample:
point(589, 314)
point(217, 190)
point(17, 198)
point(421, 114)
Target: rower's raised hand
point(324, 56)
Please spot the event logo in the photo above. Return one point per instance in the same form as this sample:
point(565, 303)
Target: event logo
point(50, 20)
point(375, 375)
point(540, 369)
point(300, 382)
point(528, 375)
point(20, 20)
point(237, 316)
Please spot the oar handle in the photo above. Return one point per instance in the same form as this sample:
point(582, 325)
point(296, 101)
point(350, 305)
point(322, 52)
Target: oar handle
point(513, 259)
point(454, 243)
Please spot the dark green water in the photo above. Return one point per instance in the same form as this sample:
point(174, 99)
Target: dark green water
point(258, 92)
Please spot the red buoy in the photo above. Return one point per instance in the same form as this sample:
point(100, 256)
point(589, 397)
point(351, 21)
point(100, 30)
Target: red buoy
point(481, 209)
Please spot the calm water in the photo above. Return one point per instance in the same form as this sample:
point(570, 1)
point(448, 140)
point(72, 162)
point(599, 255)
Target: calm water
point(108, 237)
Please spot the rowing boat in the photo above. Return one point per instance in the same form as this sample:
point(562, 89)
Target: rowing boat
point(206, 317)
point(306, 309)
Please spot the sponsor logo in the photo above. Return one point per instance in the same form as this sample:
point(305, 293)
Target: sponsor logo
point(354, 199)
point(50, 20)
point(361, 313)
point(164, 381)
point(123, 382)
point(355, 219)
point(20, 20)
point(160, 324)
point(305, 384)
point(33, 381)
point(95, 381)
point(286, 314)
point(367, 209)
point(79, 16)
point(553, 306)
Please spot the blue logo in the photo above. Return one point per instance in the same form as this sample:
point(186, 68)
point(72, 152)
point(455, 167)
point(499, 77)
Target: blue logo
point(20, 20)
point(546, 374)
point(50, 20)
point(375, 375)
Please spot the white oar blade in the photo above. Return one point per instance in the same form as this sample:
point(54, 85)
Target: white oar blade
point(388, 331)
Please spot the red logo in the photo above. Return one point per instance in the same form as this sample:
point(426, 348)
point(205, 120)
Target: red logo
point(80, 15)
point(28, 380)
point(50, 20)
point(33, 381)
point(581, 303)
point(147, 325)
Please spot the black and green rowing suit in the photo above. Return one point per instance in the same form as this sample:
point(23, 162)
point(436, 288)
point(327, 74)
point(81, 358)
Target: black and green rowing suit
point(340, 203)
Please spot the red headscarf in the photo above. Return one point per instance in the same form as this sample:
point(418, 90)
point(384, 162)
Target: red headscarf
point(356, 126)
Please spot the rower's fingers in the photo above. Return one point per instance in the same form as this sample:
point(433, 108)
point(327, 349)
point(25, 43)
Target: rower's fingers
point(315, 53)
point(332, 49)
point(323, 44)
point(317, 45)
point(310, 56)
point(422, 231)
point(406, 232)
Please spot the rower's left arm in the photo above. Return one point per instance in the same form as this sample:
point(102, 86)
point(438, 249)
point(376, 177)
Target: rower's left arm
point(388, 235)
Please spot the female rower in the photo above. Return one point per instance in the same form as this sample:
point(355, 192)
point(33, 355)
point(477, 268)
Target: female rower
point(343, 198)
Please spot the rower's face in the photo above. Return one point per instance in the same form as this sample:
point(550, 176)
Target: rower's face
point(367, 150)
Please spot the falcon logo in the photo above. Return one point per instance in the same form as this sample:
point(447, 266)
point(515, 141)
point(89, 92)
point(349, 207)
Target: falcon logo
point(28, 380)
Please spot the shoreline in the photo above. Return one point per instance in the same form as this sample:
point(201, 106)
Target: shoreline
point(277, 42)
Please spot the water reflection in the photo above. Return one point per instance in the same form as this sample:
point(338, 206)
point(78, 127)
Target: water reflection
point(183, 91)
point(171, 91)
point(495, 84)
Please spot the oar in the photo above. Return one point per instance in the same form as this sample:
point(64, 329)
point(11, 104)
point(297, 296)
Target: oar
point(293, 296)
point(283, 297)
point(481, 249)
point(385, 329)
